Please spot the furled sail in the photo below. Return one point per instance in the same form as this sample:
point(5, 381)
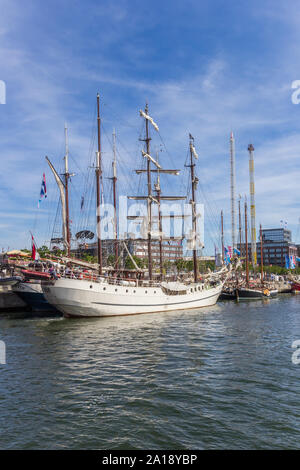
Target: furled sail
point(144, 115)
point(151, 158)
point(194, 151)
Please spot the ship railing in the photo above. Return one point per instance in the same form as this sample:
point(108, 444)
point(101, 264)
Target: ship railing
point(89, 277)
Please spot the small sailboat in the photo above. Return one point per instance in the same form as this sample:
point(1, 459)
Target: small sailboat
point(29, 289)
point(250, 292)
point(113, 295)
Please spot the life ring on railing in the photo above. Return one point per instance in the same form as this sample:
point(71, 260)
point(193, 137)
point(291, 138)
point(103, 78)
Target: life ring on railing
point(267, 292)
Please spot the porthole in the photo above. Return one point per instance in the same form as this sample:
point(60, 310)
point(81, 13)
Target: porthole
point(126, 290)
point(134, 291)
point(104, 288)
point(91, 287)
point(116, 290)
point(146, 291)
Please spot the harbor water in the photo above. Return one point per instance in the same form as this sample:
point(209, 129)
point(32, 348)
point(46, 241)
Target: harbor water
point(217, 378)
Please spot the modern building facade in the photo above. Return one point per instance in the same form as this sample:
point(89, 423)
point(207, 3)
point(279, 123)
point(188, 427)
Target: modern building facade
point(277, 244)
point(172, 249)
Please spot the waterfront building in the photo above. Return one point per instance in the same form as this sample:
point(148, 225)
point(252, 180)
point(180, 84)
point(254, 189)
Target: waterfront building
point(172, 249)
point(277, 244)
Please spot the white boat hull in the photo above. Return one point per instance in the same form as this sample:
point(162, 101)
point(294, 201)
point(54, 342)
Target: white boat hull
point(77, 298)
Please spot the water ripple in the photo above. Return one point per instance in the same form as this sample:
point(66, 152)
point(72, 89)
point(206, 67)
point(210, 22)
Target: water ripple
point(217, 378)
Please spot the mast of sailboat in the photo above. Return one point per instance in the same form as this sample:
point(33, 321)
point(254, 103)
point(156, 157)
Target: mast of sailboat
point(193, 202)
point(98, 178)
point(149, 197)
point(67, 177)
point(232, 190)
point(61, 187)
point(222, 235)
point(114, 180)
point(246, 241)
point(240, 226)
point(158, 192)
point(261, 257)
point(149, 200)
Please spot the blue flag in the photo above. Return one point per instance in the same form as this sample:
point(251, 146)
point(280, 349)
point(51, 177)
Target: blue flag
point(287, 262)
point(226, 256)
point(43, 192)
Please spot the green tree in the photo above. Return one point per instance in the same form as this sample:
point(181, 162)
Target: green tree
point(140, 262)
point(180, 265)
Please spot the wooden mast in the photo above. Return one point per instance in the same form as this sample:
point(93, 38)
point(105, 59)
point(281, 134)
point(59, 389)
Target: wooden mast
point(158, 192)
point(246, 241)
point(149, 200)
point(98, 178)
point(67, 177)
point(261, 257)
point(192, 165)
point(240, 228)
point(149, 197)
point(222, 236)
point(114, 180)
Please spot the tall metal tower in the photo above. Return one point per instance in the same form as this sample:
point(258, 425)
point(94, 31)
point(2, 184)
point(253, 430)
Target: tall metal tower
point(232, 190)
point(252, 205)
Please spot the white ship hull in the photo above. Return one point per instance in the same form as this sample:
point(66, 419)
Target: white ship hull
point(78, 298)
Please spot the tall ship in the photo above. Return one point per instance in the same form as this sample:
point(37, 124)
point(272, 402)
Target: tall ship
point(119, 292)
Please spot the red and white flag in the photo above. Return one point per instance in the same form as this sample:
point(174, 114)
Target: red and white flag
point(34, 252)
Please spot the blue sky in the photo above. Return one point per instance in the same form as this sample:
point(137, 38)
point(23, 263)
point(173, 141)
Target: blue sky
point(205, 67)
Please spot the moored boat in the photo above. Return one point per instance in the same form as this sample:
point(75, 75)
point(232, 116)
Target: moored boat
point(105, 297)
point(296, 287)
point(248, 293)
point(31, 293)
point(228, 294)
point(116, 296)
